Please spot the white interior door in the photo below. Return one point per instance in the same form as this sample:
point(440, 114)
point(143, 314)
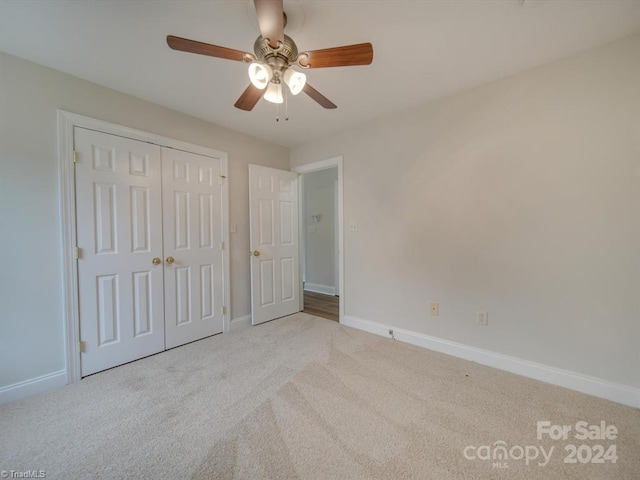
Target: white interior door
point(273, 212)
point(193, 250)
point(119, 218)
point(150, 232)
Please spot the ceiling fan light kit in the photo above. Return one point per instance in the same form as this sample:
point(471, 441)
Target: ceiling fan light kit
point(295, 80)
point(274, 93)
point(261, 78)
point(260, 75)
point(274, 58)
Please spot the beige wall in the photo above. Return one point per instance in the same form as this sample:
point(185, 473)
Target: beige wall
point(520, 197)
point(31, 323)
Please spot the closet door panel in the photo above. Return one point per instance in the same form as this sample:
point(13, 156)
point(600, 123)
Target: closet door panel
point(119, 233)
point(193, 247)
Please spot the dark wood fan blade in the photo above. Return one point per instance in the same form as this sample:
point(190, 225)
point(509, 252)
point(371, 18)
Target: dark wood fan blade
point(192, 46)
point(348, 55)
point(270, 20)
point(249, 98)
point(318, 97)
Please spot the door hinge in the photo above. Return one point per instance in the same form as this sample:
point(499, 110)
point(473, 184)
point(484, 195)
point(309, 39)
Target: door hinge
point(221, 179)
point(82, 346)
point(75, 156)
point(77, 252)
point(223, 310)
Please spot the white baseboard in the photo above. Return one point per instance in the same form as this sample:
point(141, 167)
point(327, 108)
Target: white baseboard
point(317, 288)
point(240, 322)
point(597, 387)
point(33, 386)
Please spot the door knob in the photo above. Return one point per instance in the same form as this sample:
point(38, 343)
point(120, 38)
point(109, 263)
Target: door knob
point(256, 253)
point(170, 260)
point(156, 261)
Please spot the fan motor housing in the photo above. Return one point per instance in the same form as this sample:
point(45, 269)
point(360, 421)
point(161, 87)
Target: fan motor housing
point(287, 51)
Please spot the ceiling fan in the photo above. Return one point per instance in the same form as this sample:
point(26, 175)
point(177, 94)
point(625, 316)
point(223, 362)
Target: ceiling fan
point(275, 56)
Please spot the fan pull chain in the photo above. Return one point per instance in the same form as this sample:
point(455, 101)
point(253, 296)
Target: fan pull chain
point(286, 105)
point(277, 117)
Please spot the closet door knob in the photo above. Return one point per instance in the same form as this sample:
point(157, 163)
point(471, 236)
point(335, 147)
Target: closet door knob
point(170, 260)
point(256, 253)
point(156, 261)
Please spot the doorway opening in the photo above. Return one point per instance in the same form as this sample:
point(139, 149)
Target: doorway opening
point(321, 239)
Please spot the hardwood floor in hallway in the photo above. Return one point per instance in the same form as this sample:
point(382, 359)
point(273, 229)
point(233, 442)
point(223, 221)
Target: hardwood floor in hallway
point(320, 305)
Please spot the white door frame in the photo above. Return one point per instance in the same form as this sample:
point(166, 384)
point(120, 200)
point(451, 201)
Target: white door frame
point(66, 178)
point(314, 167)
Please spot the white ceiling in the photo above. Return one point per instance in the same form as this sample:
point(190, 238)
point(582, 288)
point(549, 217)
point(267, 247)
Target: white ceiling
point(422, 50)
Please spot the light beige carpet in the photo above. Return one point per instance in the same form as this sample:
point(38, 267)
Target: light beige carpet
point(306, 398)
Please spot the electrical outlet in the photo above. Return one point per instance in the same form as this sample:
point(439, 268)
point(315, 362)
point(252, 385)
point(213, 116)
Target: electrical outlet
point(435, 308)
point(483, 319)
point(353, 227)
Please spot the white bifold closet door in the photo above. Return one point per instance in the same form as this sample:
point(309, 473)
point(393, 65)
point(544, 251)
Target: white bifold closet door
point(193, 283)
point(149, 232)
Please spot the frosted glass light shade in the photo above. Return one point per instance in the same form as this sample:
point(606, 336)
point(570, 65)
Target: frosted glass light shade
point(296, 80)
point(260, 74)
point(274, 93)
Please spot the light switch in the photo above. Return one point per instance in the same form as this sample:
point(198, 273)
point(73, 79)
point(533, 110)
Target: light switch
point(234, 228)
